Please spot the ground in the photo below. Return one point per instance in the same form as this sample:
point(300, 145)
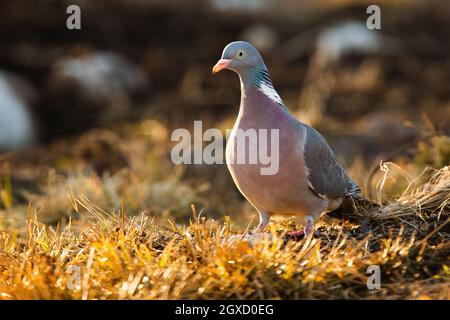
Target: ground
point(144, 232)
point(97, 209)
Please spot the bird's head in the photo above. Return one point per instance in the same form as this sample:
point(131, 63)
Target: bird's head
point(240, 57)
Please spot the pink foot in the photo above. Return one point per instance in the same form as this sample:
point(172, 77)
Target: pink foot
point(296, 234)
point(301, 234)
point(259, 230)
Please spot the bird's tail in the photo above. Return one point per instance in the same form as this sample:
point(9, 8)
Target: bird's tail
point(354, 204)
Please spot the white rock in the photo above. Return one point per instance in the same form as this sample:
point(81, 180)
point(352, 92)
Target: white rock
point(17, 129)
point(346, 37)
point(261, 36)
point(247, 5)
point(100, 74)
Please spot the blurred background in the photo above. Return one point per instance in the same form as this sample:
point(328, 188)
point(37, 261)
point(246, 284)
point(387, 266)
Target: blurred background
point(90, 111)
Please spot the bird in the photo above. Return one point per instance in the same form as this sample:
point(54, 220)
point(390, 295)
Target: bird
point(309, 180)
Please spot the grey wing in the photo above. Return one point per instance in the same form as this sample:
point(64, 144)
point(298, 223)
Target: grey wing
point(327, 178)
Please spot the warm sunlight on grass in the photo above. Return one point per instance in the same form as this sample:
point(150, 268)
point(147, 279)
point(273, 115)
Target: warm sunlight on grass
point(108, 255)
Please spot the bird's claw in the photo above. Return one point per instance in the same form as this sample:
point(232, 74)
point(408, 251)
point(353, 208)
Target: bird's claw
point(296, 234)
point(300, 234)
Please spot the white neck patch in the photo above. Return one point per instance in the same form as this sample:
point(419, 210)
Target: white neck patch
point(270, 92)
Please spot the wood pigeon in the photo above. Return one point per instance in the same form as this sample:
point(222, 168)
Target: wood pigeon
point(309, 179)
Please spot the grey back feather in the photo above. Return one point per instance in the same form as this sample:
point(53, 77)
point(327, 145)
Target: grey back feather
point(327, 178)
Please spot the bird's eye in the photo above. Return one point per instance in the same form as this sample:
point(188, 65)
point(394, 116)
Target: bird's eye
point(240, 54)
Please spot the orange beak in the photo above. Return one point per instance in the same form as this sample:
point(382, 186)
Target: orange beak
point(220, 65)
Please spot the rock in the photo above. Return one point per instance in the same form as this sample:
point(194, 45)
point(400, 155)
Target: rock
point(345, 37)
point(93, 88)
point(101, 74)
point(239, 5)
point(17, 125)
point(261, 36)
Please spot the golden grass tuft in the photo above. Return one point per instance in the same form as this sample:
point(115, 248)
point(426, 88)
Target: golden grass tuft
point(116, 232)
point(113, 256)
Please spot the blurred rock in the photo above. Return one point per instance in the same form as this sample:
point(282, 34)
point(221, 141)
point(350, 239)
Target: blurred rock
point(261, 36)
point(347, 37)
point(248, 5)
point(17, 127)
point(90, 88)
point(101, 74)
point(344, 61)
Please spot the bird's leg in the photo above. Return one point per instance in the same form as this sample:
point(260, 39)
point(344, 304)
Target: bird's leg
point(309, 225)
point(306, 231)
point(263, 221)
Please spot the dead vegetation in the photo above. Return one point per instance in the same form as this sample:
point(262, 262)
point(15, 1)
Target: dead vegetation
point(104, 214)
point(96, 244)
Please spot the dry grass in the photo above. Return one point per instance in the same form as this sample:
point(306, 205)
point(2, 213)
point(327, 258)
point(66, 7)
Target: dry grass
point(106, 216)
point(122, 257)
point(90, 234)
